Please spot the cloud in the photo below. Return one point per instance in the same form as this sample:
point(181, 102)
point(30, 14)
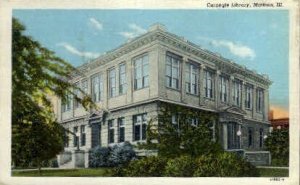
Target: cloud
point(75, 51)
point(236, 49)
point(135, 31)
point(95, 24)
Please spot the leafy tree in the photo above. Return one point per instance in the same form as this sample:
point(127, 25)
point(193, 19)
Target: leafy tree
point(278, 144)
point(189, 134)
point(37, 76)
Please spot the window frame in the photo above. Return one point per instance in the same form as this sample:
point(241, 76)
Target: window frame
point(208, 87)
point(171, 76)
point(122, 86)
point(112, 82)
point(259, 100)
point(120, 137)
point(111, 131)
point(192, 72)
point(248, 97)
point(100, 87)
point(144, 74)
point(142, 127)
point(223, 88)
point(82, 135)
point(237, 93)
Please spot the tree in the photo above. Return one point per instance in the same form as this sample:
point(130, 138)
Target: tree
point(37, 75)
point(181, 131)
point(278, 144)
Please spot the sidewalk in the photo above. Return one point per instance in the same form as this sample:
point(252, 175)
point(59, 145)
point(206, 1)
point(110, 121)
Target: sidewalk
point(273, 167)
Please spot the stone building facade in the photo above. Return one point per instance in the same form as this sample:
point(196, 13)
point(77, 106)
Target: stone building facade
point(128, 83)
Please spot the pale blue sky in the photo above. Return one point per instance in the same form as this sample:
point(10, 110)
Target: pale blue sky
point(257, 39)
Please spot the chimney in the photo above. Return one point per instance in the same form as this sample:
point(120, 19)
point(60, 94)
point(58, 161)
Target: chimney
point(271, 115)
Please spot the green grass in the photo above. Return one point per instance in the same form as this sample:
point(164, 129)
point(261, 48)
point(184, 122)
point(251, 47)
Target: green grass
point(106, 172)
point(98, 172)
point(267, 172)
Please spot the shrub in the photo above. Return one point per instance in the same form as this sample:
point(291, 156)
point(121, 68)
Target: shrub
point(182, 166)
point(152, 166)
point(206, 166)
point(278, 144)
point(121, 154)
point(224, 165)
point(99, 157)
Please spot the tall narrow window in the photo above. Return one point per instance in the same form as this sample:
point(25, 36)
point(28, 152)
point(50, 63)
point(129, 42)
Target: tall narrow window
point(261, 137)
point(191, 78)
point(112, 82)
point(233, 139)
point(67, 103)
point(208, 84)
point(66, 138)
point(76, 92)
point(237, 90)
point(121, 129)
point(97, 88)
point(172, 70)
point(111, 131)
point(250, 137)
point(122, 78)
point(223, 89)
point(259, 100)
point(141, 72)
point(248, 100)
point(82, 135)
point(139, 127)
point(75, 137)
point(84, 86)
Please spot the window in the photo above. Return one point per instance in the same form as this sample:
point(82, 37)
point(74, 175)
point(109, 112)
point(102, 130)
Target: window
point(248, 100)
point(259, 100)
point(122, 78)
point(84, 86)
point(139, 127)
point(208, 84)
point(67, 103)
point(112, 82)
point(172, 70)
point(261, 137)
point(223, 89)
point(75, 137)
point(82, 134)
point(141, 72)
point(97, 88)
point(111, 131)
point(233, 139)
point(194, 122)
point(66, 138)
point(121, 129)
point(237, 88)
point(191, 78)
point(250, 137)
point(76, 92)
point(175, 120)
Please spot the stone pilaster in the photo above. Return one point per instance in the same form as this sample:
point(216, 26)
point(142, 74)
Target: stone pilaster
point(230, 91)
point(182, 77)
point(129, 81)
point(216, 88)
point(201, 85)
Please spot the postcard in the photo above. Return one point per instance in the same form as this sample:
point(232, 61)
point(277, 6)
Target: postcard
point(128, 92)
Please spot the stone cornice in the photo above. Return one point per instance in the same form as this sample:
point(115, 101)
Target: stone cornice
point(221, 63)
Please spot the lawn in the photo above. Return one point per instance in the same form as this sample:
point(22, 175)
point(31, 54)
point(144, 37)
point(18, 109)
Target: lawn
point(267, 172)
point(106, 172)
point(91, 172)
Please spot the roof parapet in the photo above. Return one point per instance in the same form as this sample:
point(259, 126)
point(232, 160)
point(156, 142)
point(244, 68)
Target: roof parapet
point(157, 26)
